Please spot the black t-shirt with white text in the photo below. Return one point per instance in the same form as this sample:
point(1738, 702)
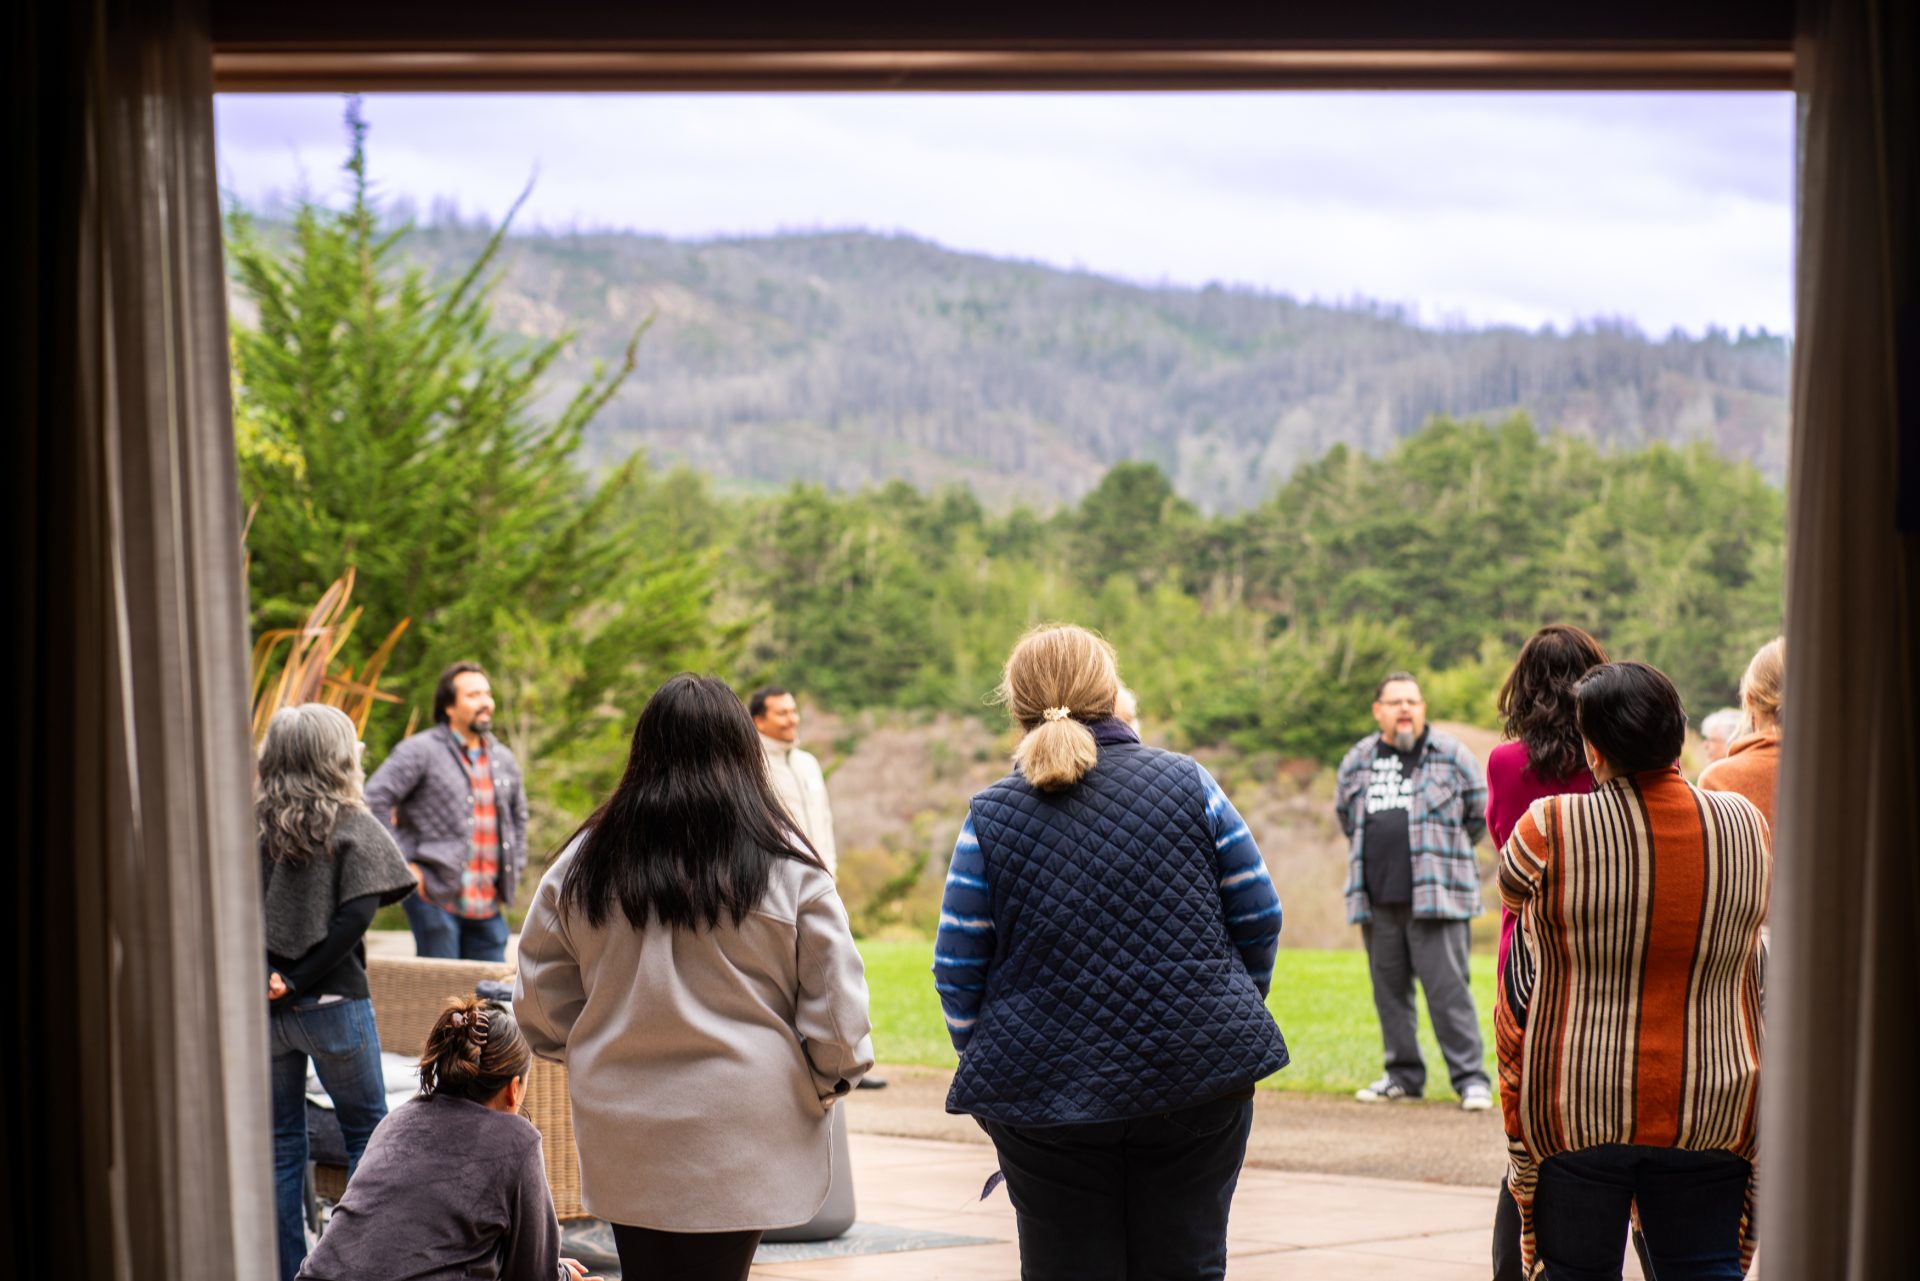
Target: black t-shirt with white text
point(1385, 847)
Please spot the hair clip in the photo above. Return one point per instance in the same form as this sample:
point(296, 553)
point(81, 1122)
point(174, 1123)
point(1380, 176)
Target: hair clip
point(1057, 713)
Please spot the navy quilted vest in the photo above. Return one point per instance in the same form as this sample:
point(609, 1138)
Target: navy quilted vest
point(1114, 990)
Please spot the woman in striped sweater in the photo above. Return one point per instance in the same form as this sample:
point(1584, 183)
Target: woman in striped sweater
point(1628, 1018)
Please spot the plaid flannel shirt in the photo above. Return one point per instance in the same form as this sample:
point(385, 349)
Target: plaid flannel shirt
point(1447, 816)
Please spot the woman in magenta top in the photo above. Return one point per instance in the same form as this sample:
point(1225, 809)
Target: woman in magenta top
point(1542, 757)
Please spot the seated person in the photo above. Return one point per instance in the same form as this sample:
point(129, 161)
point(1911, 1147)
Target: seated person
point(453, 1184)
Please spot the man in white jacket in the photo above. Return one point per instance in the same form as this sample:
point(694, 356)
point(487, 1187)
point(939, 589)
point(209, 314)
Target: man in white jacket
point(797, 781)
point(796, 775)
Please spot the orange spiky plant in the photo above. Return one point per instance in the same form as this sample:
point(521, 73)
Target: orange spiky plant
point(306, 673)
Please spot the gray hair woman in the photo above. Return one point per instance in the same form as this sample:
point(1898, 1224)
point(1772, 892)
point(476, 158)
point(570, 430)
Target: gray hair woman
point(325, 865)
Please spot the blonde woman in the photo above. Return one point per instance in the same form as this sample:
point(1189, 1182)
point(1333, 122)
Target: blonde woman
point(1753, 757)
point(326, 864)
point(1106, 940)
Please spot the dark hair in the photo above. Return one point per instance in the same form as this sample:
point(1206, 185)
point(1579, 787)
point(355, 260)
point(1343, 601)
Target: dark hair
point(444, 693)
point(475, 1048)
point(1632, 713)
point(1389, 679)
point(1536, 701)
point(692, 830)
point(757, 701)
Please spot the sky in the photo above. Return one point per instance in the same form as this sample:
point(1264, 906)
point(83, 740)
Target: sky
point(1670, 210)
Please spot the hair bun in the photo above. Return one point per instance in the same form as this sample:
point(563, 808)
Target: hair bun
point(456, 1049)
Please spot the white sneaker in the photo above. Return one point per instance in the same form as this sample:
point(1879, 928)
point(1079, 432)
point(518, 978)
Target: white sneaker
point(1478, 1098)
point(1385, 1090)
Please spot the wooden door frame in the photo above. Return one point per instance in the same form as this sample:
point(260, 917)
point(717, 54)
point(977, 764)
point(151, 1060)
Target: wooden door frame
point(569, 46)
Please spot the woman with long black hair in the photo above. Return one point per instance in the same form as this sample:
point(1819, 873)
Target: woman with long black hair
point(689, 961)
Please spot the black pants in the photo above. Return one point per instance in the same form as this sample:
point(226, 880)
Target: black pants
point(1137, 1200)
point(1506, 1237)
point(1690, 1205)
point(650, 1255)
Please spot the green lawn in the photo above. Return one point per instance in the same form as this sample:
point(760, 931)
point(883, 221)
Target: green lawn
point(1321, 999)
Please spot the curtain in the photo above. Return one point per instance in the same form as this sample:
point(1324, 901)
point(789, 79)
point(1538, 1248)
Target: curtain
point(135, 1110)
point(1838, 1111)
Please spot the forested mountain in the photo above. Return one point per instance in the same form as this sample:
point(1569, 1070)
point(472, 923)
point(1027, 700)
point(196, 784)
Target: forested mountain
point(852, 358)
point(387, 425)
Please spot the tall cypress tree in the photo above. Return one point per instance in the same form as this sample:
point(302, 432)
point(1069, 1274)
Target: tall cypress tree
point(383, 425)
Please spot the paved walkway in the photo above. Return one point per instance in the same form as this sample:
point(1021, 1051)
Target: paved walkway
point(1286, 1226)
point(916, 1167)
point(1429, 1142)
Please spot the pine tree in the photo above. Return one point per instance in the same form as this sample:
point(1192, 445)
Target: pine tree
point(383, 425)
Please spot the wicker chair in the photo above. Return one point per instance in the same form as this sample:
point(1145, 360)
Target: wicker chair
point(408, 994)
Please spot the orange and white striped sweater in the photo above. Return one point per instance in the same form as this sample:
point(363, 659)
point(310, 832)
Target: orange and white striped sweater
point(1630, 1008)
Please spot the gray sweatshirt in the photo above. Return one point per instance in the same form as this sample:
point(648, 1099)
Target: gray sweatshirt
point(448, 1190)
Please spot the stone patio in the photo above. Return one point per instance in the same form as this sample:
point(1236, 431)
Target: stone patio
point(1286, 1226)
point(1297, 1223)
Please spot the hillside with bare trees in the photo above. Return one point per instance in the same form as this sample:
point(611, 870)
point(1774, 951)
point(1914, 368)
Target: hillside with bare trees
point(848, 359)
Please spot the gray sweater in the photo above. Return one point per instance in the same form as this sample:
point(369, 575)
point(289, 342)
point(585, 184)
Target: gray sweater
point(300, 901)
point(448, 1191)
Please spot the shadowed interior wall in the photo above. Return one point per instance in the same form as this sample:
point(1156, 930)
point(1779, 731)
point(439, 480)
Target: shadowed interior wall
point(134, 1099)
point(1837, 1101)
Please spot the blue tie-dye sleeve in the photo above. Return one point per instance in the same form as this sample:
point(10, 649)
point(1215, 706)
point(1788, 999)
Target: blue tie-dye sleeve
point(963, 949)
point(1247, 897)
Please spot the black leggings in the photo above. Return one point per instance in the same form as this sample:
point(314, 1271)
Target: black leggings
point(650, 1255)
point(1144, 1197)
point(1506, 1237)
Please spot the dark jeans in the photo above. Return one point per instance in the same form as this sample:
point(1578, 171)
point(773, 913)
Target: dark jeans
point(438, 932)
point(647, 1254)
point(1690, 1204)
point(344, 1044)
point(1134, 1200)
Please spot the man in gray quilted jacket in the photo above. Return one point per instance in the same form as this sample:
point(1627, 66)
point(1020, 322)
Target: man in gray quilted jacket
point(453, 799)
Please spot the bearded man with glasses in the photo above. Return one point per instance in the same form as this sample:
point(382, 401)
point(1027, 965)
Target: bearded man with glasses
point(1412, 802)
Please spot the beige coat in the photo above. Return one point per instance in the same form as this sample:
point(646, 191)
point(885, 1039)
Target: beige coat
point(802, 788)
point(702, 1064)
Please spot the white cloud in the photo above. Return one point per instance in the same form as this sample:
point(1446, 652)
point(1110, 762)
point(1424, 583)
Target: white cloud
point(1670, 209)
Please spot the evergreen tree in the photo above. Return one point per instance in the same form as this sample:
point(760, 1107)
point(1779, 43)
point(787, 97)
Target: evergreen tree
point(384, 425)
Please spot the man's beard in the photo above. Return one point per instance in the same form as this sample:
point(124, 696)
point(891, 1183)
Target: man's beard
point(482, 724)
point(1404, 739)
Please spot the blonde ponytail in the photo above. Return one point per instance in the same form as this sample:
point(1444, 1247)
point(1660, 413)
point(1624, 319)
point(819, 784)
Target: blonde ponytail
point(1056, 680)
point(1763, 687)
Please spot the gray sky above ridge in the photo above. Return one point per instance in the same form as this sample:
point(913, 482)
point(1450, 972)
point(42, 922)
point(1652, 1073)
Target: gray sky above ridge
point(1664, 209)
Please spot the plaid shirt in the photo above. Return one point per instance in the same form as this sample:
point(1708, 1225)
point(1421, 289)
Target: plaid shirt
point(1447, 816)
point(479, 882)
